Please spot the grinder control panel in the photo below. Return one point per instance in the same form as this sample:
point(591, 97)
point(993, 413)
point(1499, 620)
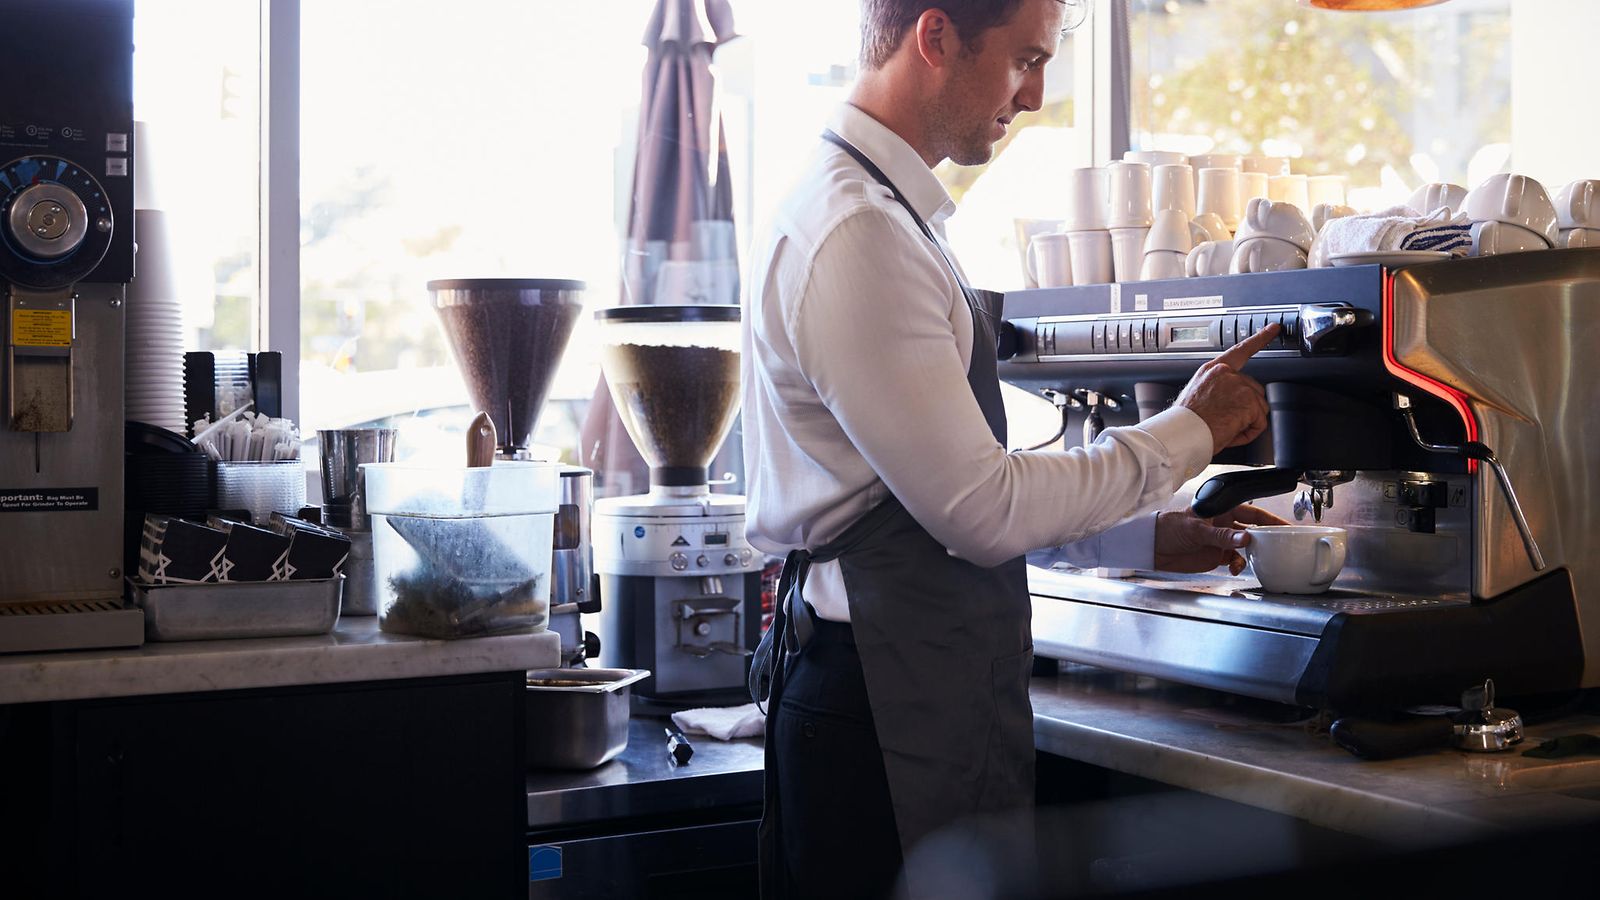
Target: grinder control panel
point(1315, 329)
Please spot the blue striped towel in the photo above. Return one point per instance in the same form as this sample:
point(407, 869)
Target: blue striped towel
point(1455, 239)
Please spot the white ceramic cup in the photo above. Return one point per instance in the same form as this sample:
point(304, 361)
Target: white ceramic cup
point(1091, 257)
point(1219, 193)
point(1329, 189)
point(1216, 161)
point(1437, 194)
point(1172, 187)
point(1284, 221)
point(1087, 207)
point(1265, 254)
point(1251, 186)
point(1026, 230)
point(1127, 195)
point(1323, 213)
point(1153, 158)
point(1579, 237)
point(1159, 264)
point(1050, 260)
point(1127, 252)
point(1295, 559)
point(1578, 204)
point(1491, 238)
point(1208, 258)
point(1213, 227)
point(1514, 200)
point(1266, 165)
point(1289, 189)
point(1170, 230)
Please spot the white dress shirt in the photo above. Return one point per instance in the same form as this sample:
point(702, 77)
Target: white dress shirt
point(856, 344)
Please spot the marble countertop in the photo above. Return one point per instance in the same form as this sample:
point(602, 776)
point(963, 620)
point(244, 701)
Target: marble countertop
point(354, 651)
point(1281, 759)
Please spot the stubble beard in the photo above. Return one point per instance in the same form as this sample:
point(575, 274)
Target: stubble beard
point(957, 136)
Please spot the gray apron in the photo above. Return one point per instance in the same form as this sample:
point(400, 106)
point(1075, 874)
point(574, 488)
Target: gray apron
point(946, 646)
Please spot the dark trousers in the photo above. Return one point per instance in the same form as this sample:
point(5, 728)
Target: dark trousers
point(836, 827)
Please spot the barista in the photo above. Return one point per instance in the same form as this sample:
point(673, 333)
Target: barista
point(875, 439)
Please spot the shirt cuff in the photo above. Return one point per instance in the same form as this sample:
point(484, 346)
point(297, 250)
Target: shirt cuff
point(1186, 438)
point(1128, 545)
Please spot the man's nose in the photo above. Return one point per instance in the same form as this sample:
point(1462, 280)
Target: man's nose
point(1031, 96)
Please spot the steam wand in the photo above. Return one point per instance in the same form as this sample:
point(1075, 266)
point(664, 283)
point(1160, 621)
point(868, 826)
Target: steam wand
point(1479, 451)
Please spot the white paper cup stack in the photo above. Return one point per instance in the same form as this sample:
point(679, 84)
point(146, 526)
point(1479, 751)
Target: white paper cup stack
point(154, 362)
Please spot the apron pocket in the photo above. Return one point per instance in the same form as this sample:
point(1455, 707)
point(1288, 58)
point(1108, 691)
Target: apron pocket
point(1008, 776)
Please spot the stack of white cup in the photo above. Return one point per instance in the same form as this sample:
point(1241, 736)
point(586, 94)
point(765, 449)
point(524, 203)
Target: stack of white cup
point(1128, 216)
point(1219, 189)
point(1578, 214)
point(1511, 214)
point(1273, 236)
point(1173, 231)
point(1329, 189)
point(1086, 228)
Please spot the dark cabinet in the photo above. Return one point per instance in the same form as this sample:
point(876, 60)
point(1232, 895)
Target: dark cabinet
point(379, 789)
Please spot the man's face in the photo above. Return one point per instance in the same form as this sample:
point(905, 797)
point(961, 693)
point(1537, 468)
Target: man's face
point(985, 90)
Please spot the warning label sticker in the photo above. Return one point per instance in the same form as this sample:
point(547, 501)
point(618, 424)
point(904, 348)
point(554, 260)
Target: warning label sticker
point(41, 327)
point(49, 499)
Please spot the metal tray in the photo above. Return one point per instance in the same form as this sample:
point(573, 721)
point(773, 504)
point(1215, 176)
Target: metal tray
point(255, 609)
point(577, 718)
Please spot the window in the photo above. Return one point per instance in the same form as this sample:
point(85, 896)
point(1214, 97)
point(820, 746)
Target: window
point(1454, 92)
point(485, 143)
point(196, 81)
point(498, 142)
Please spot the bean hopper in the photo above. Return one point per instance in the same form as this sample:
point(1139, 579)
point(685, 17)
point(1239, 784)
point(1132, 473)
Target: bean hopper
point(508, 336)
point(682, 584)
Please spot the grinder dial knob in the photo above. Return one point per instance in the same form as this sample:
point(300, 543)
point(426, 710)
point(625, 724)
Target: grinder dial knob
point(55, 222)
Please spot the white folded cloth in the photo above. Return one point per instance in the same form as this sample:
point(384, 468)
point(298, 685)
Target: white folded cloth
point(723, 723)
point(1395, 228)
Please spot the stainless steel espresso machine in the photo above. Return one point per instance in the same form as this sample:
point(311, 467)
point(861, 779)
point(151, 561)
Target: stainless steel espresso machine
point(508, 336)
point(682, 584)
point(66, 256)
point(1444, 414)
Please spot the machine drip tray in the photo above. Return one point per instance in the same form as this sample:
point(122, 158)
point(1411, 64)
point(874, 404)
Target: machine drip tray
point(69, 625)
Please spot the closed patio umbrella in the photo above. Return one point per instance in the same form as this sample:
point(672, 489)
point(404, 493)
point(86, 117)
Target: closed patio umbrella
point(680, 245)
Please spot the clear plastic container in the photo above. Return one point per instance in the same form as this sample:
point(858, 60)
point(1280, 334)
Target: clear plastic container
point(462, 552)
point(262, 487)
point(674, 378)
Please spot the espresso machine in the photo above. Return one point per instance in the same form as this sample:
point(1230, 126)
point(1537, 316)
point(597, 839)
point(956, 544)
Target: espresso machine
point(507, 336)
point(1441, 413)
point(682, 583)
point(66, 257)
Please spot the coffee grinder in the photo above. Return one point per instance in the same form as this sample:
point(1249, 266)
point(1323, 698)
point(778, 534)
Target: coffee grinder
point(508, 336)
point(66, 257)
point(682, 584)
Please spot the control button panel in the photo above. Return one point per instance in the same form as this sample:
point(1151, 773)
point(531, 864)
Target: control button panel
point(1203, 332)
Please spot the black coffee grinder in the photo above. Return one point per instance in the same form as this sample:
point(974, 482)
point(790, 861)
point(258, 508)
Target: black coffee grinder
point(508, 336)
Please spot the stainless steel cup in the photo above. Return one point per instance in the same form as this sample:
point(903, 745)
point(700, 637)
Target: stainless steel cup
point(343, 452)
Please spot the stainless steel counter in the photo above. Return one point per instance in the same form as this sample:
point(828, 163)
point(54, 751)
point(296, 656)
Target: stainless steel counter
point(1266, 756)
point(1252, 752)
point(643, 782)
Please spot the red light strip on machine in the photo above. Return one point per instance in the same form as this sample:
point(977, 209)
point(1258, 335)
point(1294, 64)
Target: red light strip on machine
point(1456, 399)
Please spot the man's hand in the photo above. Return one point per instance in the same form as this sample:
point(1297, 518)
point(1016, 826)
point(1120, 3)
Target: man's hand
point(1187, 543)
point(1234, 406)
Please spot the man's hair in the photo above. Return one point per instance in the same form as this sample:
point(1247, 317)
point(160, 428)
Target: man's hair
point(884, 23)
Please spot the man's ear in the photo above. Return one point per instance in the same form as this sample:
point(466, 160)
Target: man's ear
point(934, 38)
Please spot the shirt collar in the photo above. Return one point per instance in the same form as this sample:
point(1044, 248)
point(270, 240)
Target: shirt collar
point(897, 159)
